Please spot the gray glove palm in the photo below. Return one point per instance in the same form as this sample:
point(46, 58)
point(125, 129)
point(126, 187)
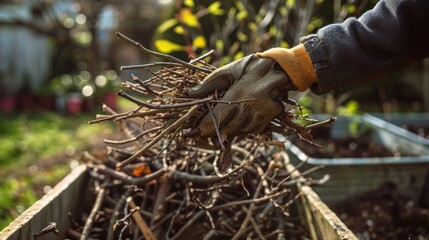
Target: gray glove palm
point(250, 77)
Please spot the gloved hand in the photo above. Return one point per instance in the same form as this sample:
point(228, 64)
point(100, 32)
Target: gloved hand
point(266, 77)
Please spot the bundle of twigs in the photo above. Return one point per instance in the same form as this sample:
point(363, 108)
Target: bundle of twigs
point(164, 182)
point(167, 111)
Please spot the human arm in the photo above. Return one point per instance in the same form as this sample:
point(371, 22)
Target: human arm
point(392, 34)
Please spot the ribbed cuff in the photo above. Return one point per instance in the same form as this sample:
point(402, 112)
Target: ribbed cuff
point(297, 64)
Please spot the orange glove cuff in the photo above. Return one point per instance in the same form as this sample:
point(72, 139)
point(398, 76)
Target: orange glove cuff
point(297, 64)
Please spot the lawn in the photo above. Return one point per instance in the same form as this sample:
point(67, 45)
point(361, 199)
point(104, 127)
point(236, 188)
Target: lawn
point(36, 151)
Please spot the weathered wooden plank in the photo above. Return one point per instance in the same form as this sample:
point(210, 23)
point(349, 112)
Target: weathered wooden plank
point(325, 222)
point(316, 216)
point(66, 196)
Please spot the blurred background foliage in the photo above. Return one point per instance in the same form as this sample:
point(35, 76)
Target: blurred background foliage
point(237, 28)
point(53, 50)
point(46, 43)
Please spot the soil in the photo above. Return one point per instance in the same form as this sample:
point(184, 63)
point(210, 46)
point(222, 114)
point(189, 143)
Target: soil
point(361, 146)
point(384, 214)
point(381, 214)
point(422, 131)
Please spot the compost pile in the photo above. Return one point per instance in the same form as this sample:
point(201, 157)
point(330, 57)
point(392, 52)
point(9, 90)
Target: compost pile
point(166, 181)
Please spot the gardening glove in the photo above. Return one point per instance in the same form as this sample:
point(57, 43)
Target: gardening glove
point(266, 77)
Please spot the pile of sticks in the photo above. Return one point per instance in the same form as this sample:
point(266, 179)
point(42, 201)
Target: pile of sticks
point(181, 196)
point(164, 181)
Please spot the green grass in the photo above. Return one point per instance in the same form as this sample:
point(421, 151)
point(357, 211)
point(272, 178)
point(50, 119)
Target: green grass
point(35, 152)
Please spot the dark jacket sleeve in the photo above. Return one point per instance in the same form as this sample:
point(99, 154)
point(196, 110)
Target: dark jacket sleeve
point(393, 34)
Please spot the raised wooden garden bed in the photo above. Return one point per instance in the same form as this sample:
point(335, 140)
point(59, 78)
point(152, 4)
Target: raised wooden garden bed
point(379, 196)
point(71, 195)
point(406, 167)
point(412, 125)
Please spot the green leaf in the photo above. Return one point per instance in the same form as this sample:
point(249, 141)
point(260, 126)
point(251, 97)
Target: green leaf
point(283, 11)
point(290, 3)
point(219, 45)
point(199, 42)
point(179, 30)
point(188, 18)
point(242, 11)
point(240, 6)
point(273, 30)
point(166, 46)
point(350, 108)
point(252, 26)
point(167, 24)
point(284, 44)
point(315, 23)
point(189, 3)
point(242, 36)
point(242, 14)
point(238, 55)
point(215, 9)
point(351, 9)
